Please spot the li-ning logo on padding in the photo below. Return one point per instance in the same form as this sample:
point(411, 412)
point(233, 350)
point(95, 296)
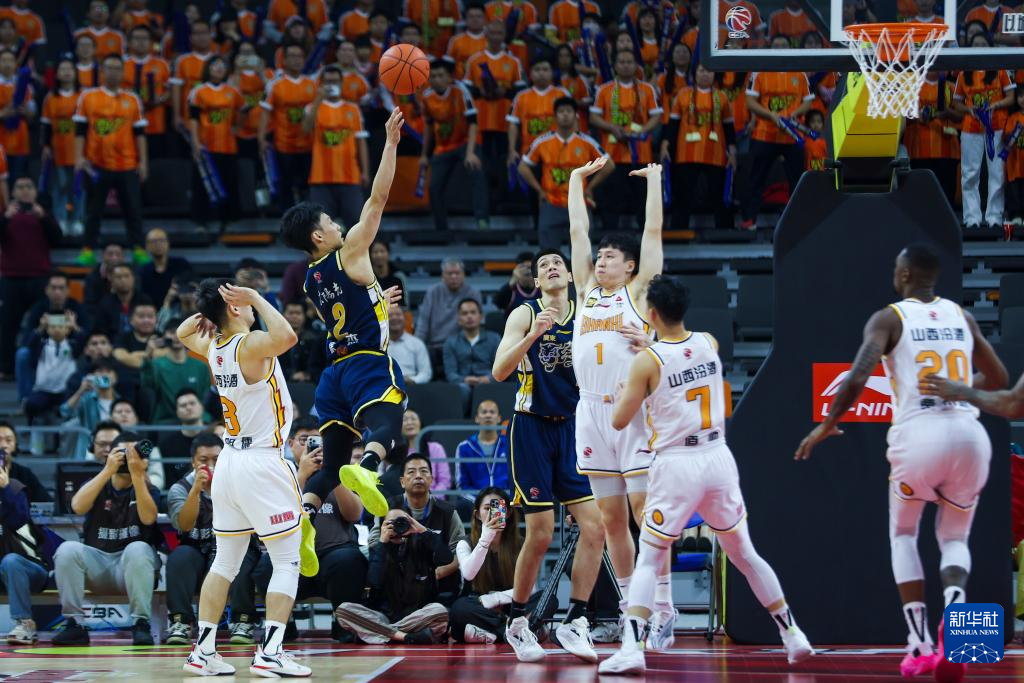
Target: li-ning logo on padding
point(282, 517)
point(874, 405)
point(737, 20)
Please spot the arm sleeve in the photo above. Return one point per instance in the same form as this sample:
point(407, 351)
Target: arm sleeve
point(470, 561)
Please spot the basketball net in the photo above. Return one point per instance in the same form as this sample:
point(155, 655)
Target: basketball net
point(894, 59)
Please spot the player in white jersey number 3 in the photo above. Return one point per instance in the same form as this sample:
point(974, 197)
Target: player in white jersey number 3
point(254, 488)
point(679, 380)
point(938, 450)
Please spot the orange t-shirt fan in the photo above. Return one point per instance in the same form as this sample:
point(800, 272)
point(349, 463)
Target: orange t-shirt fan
point(404, 69)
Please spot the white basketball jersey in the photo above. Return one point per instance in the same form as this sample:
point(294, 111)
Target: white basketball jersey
point(687, 409)
point(600, 355)
point(936, 339)
point(256, 415)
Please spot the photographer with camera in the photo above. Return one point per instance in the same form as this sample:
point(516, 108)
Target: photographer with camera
point(404, 585)
point(120, 537)
point(166, 376)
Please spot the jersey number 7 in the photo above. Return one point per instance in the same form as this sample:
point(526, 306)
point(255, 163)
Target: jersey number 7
point(703, 396)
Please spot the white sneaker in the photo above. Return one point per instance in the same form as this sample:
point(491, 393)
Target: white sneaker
point(281, 665)
point(662, 636)
point(628, 660)
point(523, 641)
point(199, 664)
point(475, 634)
point(798, 648)
point(23, 633)
point(575, 638)
point(607, 632)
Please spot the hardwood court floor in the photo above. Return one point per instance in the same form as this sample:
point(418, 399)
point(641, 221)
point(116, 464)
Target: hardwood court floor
point(692, 660)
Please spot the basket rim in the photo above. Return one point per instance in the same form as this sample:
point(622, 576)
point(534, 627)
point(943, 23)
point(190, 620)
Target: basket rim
point(896, 29)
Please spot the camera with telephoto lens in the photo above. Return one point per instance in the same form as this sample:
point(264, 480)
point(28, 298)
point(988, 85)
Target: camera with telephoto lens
point(400, 526)
point(144, 448)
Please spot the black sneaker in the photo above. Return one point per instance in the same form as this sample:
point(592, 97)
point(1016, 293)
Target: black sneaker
point(291, 632)
point(142, 632)
point(422, 637)
point(72, 634)
point(340, 635)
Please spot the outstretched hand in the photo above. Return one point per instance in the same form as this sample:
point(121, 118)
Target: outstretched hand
point(590, 168)
point(394, 126)
point(817, 435)
point(647, 171)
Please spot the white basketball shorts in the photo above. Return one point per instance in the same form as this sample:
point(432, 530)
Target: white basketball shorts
point(255, 490)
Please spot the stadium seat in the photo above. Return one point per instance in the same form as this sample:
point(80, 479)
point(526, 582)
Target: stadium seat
point(1011, 325)
point(435, 401)
point(302, 394)
point(1011, 292)
point(707, 291)
point(495, 322)
point(754, 307)
point(718, 322)
point(502, 393)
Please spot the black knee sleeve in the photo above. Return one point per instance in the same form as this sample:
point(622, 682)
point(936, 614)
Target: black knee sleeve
point(338, 442)
point(383, 424)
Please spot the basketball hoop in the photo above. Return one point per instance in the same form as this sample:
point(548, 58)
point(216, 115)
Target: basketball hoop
point(894, 59)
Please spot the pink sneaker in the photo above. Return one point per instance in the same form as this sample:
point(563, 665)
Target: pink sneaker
point(918, 665)
point(945, 670)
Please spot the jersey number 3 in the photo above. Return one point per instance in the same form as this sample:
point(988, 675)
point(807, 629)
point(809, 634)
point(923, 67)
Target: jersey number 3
point(703, 396)
point(231, 426)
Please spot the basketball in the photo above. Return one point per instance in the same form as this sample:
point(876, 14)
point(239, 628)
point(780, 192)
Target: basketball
point(404, 69)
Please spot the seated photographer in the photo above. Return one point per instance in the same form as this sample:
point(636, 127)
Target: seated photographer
point(404, 585)
point(191, 511)
point(118, 554)
point(433, 513)
point(488, 565)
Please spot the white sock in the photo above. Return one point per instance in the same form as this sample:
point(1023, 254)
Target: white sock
point(273, 635)
point(207, 641)
point(783, 618)
point(916, 615)
point(663, 593)
point(624, 590)
point(954, 594)
point(635, 633)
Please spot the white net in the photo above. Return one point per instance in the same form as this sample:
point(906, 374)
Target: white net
point(895, 66)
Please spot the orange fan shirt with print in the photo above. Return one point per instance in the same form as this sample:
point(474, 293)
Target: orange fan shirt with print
point(216, 108)
point(973, 91)
point(815, 154)
point(579, 90)
point(27, 24)
point(281, 11)
point(632, 10)
point(148, 79)
point(507, 73)
point(88, 75)
point(779, 92)
point(463, 46)
point(437, 20)
point(500, 11)
point(287, 99)
point(108, 41)
point(626, 105)
point(558, 157)
point(533, 111)
point(353, 24)
point(354, 86)
point(701, 115)
point(335, 150)
point(793, 25)
point(564, 15)
point(15, 141)
point(668, 91)
point(928, 137)
point(188, 73)
point(252, 85)
point(113, 120)
point(736, 89)
point(447, 114)
point(411, 107)
point(59, 113)
point(1015, 161)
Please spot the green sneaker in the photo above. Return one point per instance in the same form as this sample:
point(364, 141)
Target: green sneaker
point(86, 257)
point(140, 256)
point(309, 564)
point(364, 483)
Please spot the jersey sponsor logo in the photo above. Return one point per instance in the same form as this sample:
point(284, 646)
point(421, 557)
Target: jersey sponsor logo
point(282, 517)
point(587, 452)
point(534, 493)
point(933, 315)
point(220, 361)
point(317, 276)
point(612, 324)
point(738, 20)
point(591, 302)
point(874, 405)
point(687, 353)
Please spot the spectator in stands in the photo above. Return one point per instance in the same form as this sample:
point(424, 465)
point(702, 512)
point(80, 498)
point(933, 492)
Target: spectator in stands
point(189, 413)
point(93, 401)
point(26, 555)
point(408, 350)
point(791, 23)
point(404, 577)
point(97, 346)
point(97, 283)
point(487, 443)
point(190, 510)
point(16, 116)
point(557, 154)
point(438, 20)
point(27, 233)
point(29, 25)
point(165, 376)
point(250, 77)
point(286, 100)
point(37, 493)
point(253, 274)
point(1015, 166)
point(122, 412)
point(138, 344)
point(450, 138)
point(433, 513)
point(464, 45)
point(57, 133)
point(296, 361)
point(354, 86)
point(469, 354)
point(699, 146)
point(438, 315)
point(156, 276)
point(123, 418)
point(56, 300)
point(771, 97)
point(533, 110)
point(439, 470)
point(280, 12)
point(521, 286)
point(102, 440)
point(932, 140)
point(86, 65)
point(147, 76)
point(340, 170)
point(108, 41)
point(375, 42)
point(385, 270)
point(188, 72)
point(120, 539)
point(180, 300)
point(52, 353)
point(110, 147)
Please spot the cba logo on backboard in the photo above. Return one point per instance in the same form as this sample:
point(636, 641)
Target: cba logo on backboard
point(974, 633)
point(874, 405)
point(738, 20)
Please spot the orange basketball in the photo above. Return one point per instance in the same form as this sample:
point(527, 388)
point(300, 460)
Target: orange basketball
point(404, 69)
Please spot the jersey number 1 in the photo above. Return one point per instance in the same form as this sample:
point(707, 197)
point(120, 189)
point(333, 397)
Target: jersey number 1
point(703, 396)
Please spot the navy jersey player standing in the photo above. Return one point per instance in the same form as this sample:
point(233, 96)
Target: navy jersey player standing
point(537, 345)
point(361, 394)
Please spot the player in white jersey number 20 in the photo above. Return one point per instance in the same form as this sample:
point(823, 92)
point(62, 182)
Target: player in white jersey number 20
point(254, 488)
point(609, 329)
point(938, 450)
point(679, 381)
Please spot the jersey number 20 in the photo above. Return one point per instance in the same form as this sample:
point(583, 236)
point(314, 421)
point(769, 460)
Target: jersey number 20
point(956, 365)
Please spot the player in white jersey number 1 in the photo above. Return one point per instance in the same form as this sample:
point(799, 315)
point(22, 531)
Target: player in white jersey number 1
point(609, 329)
point(938, 450)
point(679, 381)
point(254, 488)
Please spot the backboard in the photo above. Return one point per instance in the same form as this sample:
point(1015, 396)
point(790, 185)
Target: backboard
point(740, 31)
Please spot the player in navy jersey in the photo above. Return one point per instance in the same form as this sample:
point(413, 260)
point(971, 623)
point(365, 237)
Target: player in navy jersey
point(362, 393)
point(537, 345)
